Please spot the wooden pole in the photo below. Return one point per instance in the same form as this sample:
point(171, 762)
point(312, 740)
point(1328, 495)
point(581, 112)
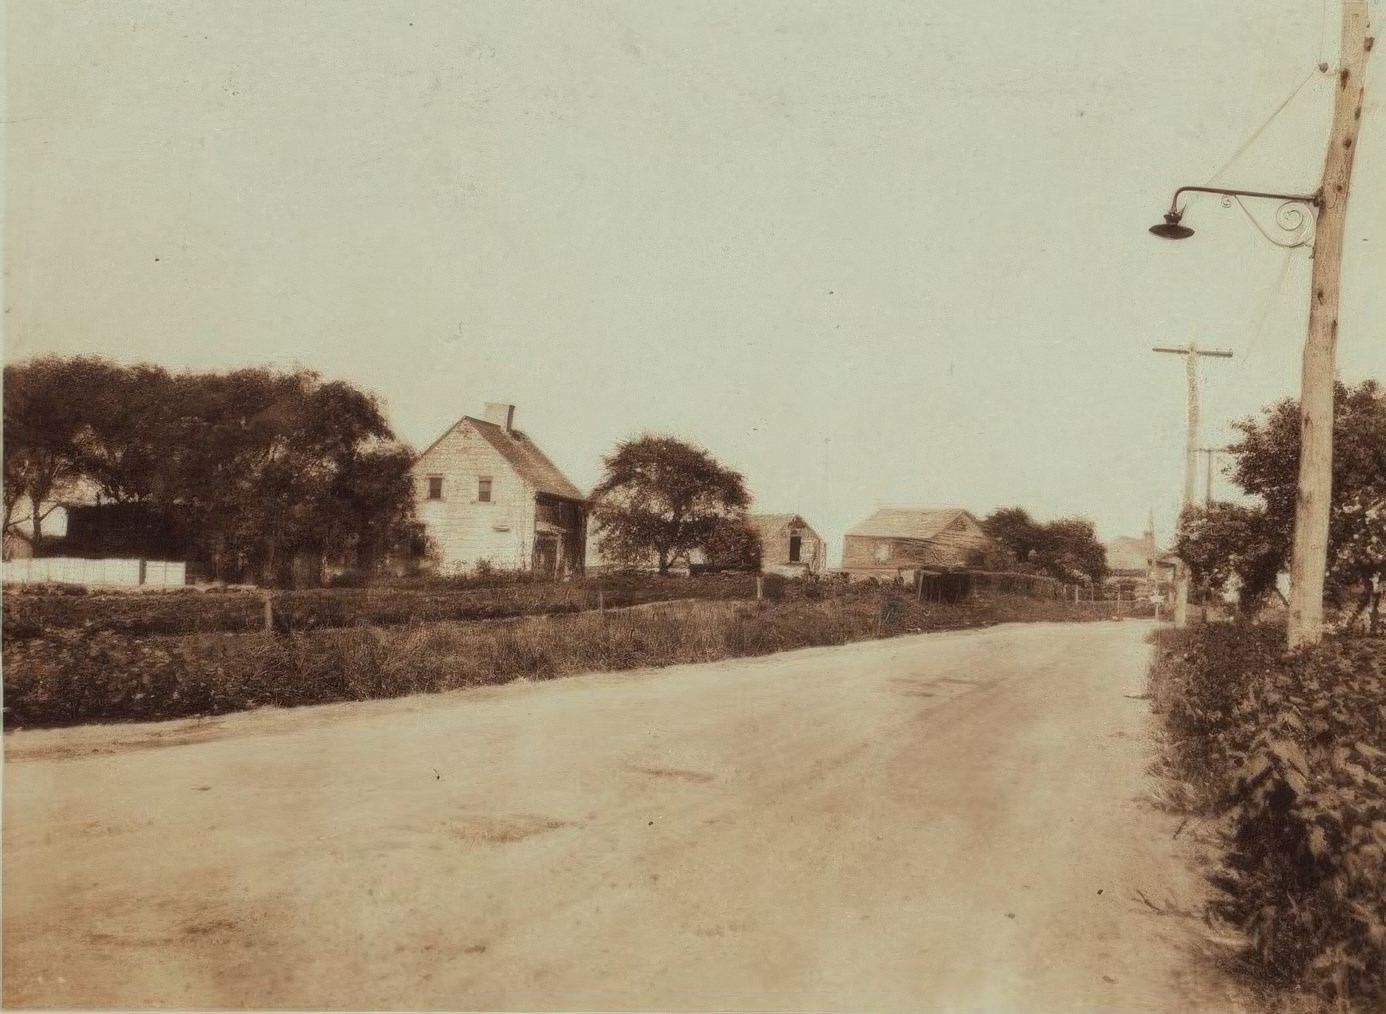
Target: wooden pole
point(269, 612)
point(1309, 552)
point(1191, 352)
point(760, 587)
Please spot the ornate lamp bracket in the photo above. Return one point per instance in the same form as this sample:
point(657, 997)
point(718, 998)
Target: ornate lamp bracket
point(1294, 218)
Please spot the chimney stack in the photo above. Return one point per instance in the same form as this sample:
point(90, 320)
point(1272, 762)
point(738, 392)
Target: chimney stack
point(500, 414)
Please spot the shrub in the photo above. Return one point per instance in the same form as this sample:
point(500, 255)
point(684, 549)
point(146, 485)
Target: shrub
point(1291, 750)
point(71, 676)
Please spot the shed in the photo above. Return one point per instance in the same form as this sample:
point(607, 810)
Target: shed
point(789, 545)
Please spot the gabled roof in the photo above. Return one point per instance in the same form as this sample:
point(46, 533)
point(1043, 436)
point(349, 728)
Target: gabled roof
point(529, 463)
point(766, 523)
point(1127, 552)
point(532, 465)
point(908, 522)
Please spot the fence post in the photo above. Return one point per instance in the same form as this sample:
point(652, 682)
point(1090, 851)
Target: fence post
point(601, 602)
point(760, 587)
point(269, 612)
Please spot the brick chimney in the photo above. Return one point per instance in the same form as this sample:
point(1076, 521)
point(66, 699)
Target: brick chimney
point(500, 414)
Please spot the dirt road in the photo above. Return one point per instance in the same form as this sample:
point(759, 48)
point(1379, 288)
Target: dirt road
point(951, 821)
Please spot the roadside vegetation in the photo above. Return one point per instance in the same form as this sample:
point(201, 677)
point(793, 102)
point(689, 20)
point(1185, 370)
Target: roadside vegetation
point(1286, 754)
point(33, 612)
point(1245, 546)
point(254, 474)
point(78, 674)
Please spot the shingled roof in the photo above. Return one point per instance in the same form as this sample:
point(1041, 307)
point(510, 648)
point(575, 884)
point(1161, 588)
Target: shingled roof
point(917, 523)
point(1127, 552)
point(530, 463)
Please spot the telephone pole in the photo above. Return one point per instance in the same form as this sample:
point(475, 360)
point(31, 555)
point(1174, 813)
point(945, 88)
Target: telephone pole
point(1309, 553)
point(1208, 479)
point(1191, 352)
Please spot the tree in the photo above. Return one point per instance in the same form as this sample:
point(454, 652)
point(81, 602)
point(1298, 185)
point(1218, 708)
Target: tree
point(267, 470)
point(1066, 548)
point(1069, 550)
point(1255, 542)
point(734, 544)
point(43, 417)
point(663, 497)
point(1016, 530)
point(1226, 541)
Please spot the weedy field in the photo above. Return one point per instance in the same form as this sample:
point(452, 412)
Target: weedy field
point(1288, 753)
point(72, 674)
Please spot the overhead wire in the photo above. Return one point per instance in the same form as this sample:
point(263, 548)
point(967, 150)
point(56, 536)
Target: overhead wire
point(1255, 134)
point(1272, 299)
point(1280, 108)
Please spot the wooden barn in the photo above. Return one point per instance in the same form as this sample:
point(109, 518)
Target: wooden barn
point(486, 494)
point(789, 546)
point(910, 539)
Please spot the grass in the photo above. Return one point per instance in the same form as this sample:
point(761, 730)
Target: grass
point(73, 677)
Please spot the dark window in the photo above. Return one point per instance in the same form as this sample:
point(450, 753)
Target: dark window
point(483, 489)
point(435, 487)
point(795, 544)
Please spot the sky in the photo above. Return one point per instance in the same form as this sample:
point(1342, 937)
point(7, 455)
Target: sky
point(866, 253)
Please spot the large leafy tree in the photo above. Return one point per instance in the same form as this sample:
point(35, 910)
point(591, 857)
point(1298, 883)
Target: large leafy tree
point(1065, 548)
point(661, 497)
point(44, 414)
point(1254, 541)
point(1013, 528)
point(1226, 543)
point(264, 469)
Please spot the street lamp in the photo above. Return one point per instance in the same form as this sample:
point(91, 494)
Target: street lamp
point(1290, 217)
point(1296, 217)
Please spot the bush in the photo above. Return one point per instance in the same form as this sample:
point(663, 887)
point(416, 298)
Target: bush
point(1291, 751)
point(29, 615)
point(72, 676)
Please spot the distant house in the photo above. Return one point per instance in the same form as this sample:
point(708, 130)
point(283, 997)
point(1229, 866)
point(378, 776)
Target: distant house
point(1139, 562)
point(896, 539)
point(486, 495)
point(789, 545)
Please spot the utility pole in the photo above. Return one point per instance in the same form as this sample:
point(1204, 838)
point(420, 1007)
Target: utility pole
point(1309, 553)
point(1208, 477)
point(1192, 352)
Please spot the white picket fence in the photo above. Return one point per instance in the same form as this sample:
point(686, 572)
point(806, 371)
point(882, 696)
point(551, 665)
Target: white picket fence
point(69, 570)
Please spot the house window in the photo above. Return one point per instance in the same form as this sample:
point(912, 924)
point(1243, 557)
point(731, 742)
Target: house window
point(483, 489)
point(882, 552)
point(796, 543)
point(435, 487)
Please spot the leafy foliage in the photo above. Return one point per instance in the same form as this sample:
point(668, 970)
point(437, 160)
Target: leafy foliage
point(734, 544)
point(1291, 749)
point(1254, 543)
point(86, 674)
point(42, 423)
point(661, 497)
point(1225, 541)
point(30, 615)
point(1065, 548)
point(265, 469)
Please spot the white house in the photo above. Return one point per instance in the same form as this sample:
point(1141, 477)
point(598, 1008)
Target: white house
point(486, 494)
